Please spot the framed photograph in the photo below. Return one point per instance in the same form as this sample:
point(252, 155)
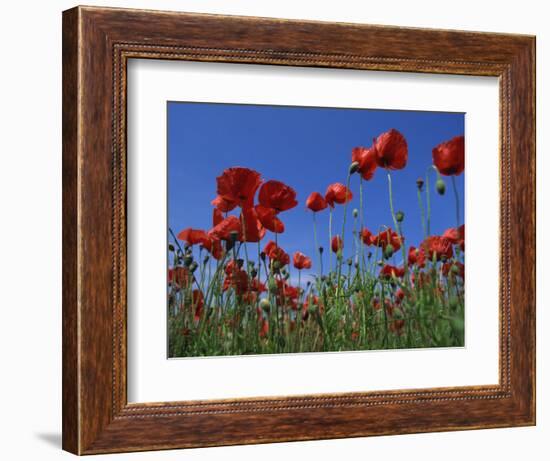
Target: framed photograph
point(264, 230)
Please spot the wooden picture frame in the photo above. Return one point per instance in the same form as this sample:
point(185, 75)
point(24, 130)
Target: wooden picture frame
point(97, 43)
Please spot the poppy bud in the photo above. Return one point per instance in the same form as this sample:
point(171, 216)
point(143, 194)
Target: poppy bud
point(339, 255)
point(353, 167)
point(276, 265)
point(355, 212)
point(188, 260)
point(419, 183)
point(240, 263)
point(440, 186)
point(262, 256)
point(369, 254)
point(380, 263)
point(193, 267)
point(170, 247)
point(308, 283)
point(286, 276)
point(265, 304)
point(399, 216)
point(253, 273)
point(350, 262)
point(321, 249)
point(388, 251)
point(323, 278)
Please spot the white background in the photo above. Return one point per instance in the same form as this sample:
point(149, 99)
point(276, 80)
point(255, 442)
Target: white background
point(30, 191)
point(153, 378)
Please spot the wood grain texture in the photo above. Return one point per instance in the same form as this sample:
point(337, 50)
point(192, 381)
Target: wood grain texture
point(97, 43)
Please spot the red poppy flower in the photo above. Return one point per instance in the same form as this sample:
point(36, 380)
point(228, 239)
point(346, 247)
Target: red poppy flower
point(238, 185)
point(301, 261)
point(180, 276)
point(385, 238)
point(223, 204)
point(389, 271)
point(195, 236)
point(315, 202)
point(235, 278)
point(222, 230)
point(448, 156)
point(336, 244)
point(257, 286)
point(391, 150)
point(366, 236)
point(197, 303)
point(287, 295)
point(268, 218)
point(217, 217)
point(366, 158)
point(454, 267)
point(437, 247)
point(277, 195)
point(216, 251)
point(455, 235)
point(337, 193)
point(264, 330)
point(417, 256)
point(275, 253)
point(251, 227)
point(400, 294)
point(397, 325)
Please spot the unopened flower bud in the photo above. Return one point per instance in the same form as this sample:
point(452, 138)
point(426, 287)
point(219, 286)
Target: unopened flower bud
point(170, 247)
point(276, 265)
point(262, 256)
point(321, 249)
point(240, 263)
point(399, 216)
point(206, 259)
point(253, 273)
point(419, 183)
point(350, 262)
point(353, 167)
point(265, 304)
point(440, 186)
point(355, 212)
point(272, 286)
point(339, 255)
point(388, 251)
point(193, 267)
point(187, 260)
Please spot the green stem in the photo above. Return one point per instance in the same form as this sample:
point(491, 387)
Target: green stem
point(362, 260)
point(397, 227)
point(421, 212)
point(330, 241)
point(428, 202)
point(341, 259)
point(316, 244)
point(457, 202)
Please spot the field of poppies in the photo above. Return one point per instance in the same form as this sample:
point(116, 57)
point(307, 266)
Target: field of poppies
point(234, 290)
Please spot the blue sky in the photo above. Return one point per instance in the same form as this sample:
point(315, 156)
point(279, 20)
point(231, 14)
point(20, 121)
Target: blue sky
point(307, 148)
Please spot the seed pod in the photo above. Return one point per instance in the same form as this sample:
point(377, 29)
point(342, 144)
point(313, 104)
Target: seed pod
point(265, 305)
point(440, 186)
point(399, 216)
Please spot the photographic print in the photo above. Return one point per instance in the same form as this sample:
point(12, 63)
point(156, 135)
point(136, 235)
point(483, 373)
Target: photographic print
point(313, 229)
